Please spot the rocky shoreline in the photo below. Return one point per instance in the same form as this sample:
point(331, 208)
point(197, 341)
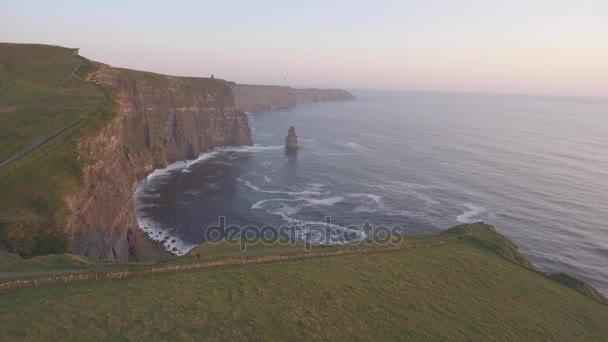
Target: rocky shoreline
point(159, 119)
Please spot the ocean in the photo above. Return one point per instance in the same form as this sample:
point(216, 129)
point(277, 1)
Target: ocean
point(534, 167)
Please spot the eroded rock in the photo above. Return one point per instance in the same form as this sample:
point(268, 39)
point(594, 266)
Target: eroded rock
point(291, 141)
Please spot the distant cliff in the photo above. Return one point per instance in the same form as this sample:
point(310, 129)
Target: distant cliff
point(257, 97)
point(159, 119)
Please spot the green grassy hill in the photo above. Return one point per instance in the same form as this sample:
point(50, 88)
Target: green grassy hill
point(45, 107)
point(458, 290)
point(469, 283)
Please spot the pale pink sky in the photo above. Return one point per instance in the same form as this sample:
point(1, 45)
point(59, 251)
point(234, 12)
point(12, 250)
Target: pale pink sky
point(532, 46)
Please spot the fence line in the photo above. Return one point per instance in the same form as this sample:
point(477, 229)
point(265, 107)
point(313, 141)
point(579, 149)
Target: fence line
point(209, 264)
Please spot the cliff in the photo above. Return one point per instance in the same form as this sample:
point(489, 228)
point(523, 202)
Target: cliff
point(77, 136)
point(159, 119)
point(257, 97)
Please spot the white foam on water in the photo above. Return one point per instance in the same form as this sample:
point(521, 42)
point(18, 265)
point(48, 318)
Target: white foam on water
point(316, 186)
point(472, 215)
point(307, 201)
point(417, 186)
point(351, 144)
point(251, 149)
point(153, 229)
point(157, 233)
point(376, 203)
point(311, 192)
point(267, 179)
point(149, 205)
point(373, 197)
point(338, 154)
point(418, 191)
point(203, 157)
point(307, 228)
point(220, 162)
point(363, 209)
point(145, 194)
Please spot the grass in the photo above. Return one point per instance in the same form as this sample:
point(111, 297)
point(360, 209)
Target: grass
point(477, 286)
point(43, 112)
point(487, 237)
point(456, 291)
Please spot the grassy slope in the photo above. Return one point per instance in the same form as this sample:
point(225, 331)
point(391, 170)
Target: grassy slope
point(456, 291)
point(43, 110)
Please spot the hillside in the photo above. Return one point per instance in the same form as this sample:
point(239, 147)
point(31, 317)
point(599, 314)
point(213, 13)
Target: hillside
point(45, 107)
point(456, 290)
point(76, 136)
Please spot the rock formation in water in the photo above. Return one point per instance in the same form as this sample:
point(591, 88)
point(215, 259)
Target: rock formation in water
point(291, 141)
point(256, 97)
point(159, 119)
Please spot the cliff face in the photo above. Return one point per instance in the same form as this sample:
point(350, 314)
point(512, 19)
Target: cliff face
point(258, 97)
point(159, 119)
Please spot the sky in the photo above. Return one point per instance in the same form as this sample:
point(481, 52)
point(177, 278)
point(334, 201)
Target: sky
point(518, 46)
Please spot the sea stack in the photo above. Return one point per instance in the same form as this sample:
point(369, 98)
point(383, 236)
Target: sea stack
point(291, 141)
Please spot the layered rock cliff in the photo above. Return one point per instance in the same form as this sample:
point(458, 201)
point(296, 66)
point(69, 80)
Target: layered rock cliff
point(159, 119)
point(257, 97)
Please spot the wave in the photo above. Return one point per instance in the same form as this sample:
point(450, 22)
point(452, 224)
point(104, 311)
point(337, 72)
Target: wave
point(153, 229)
point(159, 234)
point(337, 154)
point(415, 190)
point(417, 186)
point(312, 192)
point(363, 209)
point(310, 201)
point(376, 203)
point(251, 149)
point(315, 232)
point(184, 165)
point(472, 215)
point(373, 197)
point(351, 144)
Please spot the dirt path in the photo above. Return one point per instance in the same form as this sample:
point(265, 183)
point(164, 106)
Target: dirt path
point(210, 264)
point(41, 141)
point(37, 143)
